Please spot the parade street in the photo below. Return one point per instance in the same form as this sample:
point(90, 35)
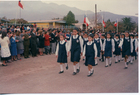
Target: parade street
point(40, 75)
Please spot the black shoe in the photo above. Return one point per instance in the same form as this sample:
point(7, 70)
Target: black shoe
point(92, 72)
point(103, 60)
point(125, 67)
point(4, 65)
point(89, 75)
point(99, 59)
point(78, 70)
point(67, 67)
point(61, 72)
point(110, 64)
point(96, 64)
point(118, 60)
point(83, 59)
point(121, 59)
point(131, 63)
point(127, 63)
point(74, 73)
point(106, 66)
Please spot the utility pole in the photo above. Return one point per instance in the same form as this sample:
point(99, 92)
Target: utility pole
point(96, 15)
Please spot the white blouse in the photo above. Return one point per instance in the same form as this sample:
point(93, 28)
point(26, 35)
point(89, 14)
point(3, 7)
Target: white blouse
point(57, 48)
point(81, 42)
point(94, 47)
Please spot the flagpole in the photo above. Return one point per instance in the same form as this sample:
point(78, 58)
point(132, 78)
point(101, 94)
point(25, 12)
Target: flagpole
point(102, 24)
point(117, 25)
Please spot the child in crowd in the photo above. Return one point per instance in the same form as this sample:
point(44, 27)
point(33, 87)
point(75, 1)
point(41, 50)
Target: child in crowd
point(133, 48)
point(97, 41)
point(117, 51)
point(76, 47)
point(126, 48)
point(108, 48)
point(62, 51)
point(102, 42)
point(90, 51)
point(85, 40)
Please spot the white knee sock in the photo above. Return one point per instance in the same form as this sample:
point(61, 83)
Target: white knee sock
point(131, 59)
point(77, 65)
point(91, 70)
point(66, 64)
point(74, 67)
point(96, 61)
point(110, 61)
point(61, 67)
point(116, 58)
point(119, 57)
point(125, 64)
point(106, 61)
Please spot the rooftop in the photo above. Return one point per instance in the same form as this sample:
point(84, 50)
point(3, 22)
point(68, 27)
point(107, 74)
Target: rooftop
point(40, 21)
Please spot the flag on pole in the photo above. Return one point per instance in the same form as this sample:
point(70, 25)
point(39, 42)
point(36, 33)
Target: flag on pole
point(104, 24)
point(115, 24)
point(20, 4)
point(86, 21)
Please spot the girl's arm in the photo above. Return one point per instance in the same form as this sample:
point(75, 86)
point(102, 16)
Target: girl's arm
point(95, 49)
point(131, 45)
point(113, 45)
point(81, 43)
point(101, 44)
point(57, 48)
point(67, 48)
point(84, 51)
point(104, 45)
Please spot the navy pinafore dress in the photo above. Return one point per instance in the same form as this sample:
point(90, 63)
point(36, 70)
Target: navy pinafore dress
point(85, 42)
point(97, 42)
point(62, 53)
point(108, 48)
point(134, 52)
point(126, 47)
point(90, 55)
point(117, 49)
point(75, 50)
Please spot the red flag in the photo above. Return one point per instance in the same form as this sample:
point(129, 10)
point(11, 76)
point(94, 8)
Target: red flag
point(86, 21)
point(104, 24)
point(115, 24)
point(19, 4)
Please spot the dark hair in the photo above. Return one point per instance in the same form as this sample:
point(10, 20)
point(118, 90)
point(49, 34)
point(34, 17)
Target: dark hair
point(117, 35)
point(91, 35)
point(131, 35)
point(62, 35)
point(4, 34)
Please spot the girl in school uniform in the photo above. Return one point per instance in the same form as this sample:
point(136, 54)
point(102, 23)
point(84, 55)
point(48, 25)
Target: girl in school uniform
point(62, 53)
point(85, 40)
point(136, 39)
point(76, 47)
point(122, 37)
point(108, 48)
point(90, 51)
point(102, 42)
point(126, 48)
point(97, 41)
point(117, 51)
point(133, 48)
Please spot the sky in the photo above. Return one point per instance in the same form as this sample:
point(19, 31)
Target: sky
point(122, 7)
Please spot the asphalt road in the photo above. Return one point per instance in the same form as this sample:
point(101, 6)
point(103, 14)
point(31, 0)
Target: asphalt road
point(40, 75)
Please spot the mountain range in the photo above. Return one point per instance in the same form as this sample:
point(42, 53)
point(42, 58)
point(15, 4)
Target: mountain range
point(37, 10)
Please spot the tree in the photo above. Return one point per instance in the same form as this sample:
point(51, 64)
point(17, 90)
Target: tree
point(18, 21)
point(70, 18)
point(128, 25)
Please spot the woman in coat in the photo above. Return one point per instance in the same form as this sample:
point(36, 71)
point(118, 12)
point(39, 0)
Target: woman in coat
point(20, 47)
point(13, 46)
